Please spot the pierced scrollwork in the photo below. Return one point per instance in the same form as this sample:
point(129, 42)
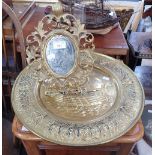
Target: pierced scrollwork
point(83, 40)
point(51, 22)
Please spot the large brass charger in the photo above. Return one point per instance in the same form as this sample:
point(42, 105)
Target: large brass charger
point(109, 106)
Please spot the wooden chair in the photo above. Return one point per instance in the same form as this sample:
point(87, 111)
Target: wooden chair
point(4, 14)
point(16, 28)
point(13, 24)
point(12, 61)
point(140, 47)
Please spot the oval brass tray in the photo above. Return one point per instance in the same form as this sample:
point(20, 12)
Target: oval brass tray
point(109, 106)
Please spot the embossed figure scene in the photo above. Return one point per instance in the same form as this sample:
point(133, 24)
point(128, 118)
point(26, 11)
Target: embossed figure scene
point(60, 55)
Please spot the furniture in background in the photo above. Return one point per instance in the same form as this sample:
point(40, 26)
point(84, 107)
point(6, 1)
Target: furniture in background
point(147, 122)
point(112, 44)
point(11, 61)
point(140, 45)
point(13, 50)
point(15, 21)
point(12, 27)
point(136, 5)
point(144, 146)
point(37, 146)
point(147, 2)
point(126, 5)
point(144, 74)
point(9, 3)
point(148, 12)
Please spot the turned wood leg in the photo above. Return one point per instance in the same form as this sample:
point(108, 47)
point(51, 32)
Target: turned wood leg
point(125, 149)
point(31, 147)
point(126, 58)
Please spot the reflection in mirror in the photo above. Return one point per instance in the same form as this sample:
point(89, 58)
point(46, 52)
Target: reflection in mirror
point(60, 55)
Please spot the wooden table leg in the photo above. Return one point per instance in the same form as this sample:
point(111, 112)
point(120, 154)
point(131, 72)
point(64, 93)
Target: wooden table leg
point(31, 147)
point(126, 58)
point(125, 149)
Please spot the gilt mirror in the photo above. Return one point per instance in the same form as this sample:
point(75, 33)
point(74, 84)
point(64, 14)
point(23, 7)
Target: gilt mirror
point(60, 55)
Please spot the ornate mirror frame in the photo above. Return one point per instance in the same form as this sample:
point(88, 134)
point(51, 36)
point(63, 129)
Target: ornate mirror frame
point(68, 26)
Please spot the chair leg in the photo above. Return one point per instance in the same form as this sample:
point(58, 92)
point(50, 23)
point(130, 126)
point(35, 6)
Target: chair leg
point(4, 103)
point(16, 142)
point(125, 149)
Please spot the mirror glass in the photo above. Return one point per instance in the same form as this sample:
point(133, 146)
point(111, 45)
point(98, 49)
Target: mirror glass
point(60, 55)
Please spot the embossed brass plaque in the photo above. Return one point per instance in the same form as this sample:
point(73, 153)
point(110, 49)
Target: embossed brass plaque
point(112, 104)
point(70, 95)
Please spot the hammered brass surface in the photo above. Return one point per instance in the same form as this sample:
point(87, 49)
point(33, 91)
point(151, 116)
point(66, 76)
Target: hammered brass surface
point(115, 96)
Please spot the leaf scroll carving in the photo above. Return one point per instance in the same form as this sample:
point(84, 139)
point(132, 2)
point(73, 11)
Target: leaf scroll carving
point(51, 22)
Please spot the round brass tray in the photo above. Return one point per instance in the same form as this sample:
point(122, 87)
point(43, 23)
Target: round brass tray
point(109, 106)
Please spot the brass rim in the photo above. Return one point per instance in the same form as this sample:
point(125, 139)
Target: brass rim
point(135, 110)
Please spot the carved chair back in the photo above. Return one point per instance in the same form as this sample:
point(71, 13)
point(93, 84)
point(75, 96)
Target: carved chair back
point(13, 52)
